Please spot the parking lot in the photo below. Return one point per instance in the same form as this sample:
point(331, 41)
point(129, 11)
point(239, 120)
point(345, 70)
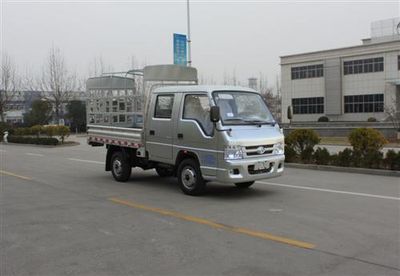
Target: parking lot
point(62, 214)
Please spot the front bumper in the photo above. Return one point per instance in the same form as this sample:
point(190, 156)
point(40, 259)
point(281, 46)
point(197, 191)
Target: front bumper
point(236, 171)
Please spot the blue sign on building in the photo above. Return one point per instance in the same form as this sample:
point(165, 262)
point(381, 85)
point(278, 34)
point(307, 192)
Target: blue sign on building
point(180, 52)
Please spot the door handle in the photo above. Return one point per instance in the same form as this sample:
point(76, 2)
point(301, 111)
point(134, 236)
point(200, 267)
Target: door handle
point(180, 136)
point(152, 132)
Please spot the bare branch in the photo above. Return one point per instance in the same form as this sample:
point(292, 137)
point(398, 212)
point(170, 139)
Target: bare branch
point(57, 83)
point(9, 84)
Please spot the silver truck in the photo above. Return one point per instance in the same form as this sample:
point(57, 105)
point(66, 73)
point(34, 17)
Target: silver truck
point(194, 132)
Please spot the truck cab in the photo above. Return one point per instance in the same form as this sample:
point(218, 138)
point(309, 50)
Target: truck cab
point(243, 144)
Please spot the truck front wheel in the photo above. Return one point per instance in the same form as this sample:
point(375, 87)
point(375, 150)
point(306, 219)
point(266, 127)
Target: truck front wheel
point(120, 167)
point(190, 179)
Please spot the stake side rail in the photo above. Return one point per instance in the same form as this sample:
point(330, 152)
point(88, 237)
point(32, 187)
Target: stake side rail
point(119, 136)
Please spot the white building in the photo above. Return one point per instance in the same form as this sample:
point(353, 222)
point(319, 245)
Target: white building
point(345, 84)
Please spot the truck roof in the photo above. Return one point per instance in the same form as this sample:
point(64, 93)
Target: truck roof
point(201, 88)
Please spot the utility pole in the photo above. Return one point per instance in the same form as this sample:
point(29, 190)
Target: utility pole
point(188, 36)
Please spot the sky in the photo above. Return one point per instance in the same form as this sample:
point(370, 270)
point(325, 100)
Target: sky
point(229, 38)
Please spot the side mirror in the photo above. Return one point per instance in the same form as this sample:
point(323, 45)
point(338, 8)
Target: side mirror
point(214, 114)
point(289, 112)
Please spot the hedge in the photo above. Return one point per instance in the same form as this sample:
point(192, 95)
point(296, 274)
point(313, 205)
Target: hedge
point(366, 153)
point(323, 119)
point(33, 140)
point(38, 130)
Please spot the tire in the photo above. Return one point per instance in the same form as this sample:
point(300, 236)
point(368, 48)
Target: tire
point(244, 185)
point(120, 167)
point(190, 179)
point(163, 172)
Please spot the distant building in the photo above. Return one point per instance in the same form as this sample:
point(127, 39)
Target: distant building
point(345, 84)
point(21, 103)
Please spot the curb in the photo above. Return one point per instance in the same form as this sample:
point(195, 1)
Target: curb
point(343, 169)
point(43, 146)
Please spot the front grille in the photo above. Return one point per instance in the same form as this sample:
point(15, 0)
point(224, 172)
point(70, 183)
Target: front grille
point(255, 150)
point(252, 171)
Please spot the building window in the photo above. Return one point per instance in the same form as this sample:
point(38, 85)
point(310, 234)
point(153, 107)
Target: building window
point(308, 105)
point(369, 65)
point(363, 103)
point(307, 72)
point(398, 63)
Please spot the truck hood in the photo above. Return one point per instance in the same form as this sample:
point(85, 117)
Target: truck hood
point(253, 135)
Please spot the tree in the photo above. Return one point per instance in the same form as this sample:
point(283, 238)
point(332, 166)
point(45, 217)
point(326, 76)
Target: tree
point(8, 85)
point(77, 115)
point(393, 115)
point(57, 82)
point(40, 114)
point(98, 67)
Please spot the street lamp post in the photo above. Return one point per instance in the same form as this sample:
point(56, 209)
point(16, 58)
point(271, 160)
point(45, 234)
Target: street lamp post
point(188, 36)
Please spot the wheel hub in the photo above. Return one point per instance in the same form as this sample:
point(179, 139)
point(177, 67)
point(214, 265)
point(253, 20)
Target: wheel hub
point(188, 177)
point(117, 167)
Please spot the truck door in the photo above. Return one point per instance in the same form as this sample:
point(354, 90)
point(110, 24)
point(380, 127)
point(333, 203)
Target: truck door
point(195, 131)
point(159, 140)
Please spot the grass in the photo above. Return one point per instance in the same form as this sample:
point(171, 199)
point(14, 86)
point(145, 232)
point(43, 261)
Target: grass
point(340, 141)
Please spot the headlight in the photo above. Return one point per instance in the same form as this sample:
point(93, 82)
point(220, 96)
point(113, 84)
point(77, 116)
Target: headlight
point(279, 148)
point(233, 152)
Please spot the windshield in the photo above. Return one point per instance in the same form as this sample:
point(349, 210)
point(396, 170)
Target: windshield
point(242, 108)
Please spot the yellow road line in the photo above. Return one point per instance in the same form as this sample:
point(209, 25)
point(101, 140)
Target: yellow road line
point(245, 231)
point(15, 175)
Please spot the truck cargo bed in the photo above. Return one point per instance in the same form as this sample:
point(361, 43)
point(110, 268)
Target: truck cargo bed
point(120, 136)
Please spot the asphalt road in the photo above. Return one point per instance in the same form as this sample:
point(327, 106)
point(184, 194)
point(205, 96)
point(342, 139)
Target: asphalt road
point(62, 214)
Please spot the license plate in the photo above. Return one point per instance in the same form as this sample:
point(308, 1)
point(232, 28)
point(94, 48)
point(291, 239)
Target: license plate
point(261, 166)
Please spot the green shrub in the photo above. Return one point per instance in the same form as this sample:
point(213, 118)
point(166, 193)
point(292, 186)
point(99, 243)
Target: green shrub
point(334, 160)
point(323, 119)
point(33, 140)
point(372, 119)
point(37, 130)
point(343, 158)
point(50, 130)
point(392, 160)
point(290, 155)
point(20, 131)
point(302, 141)
point(307, 155)
point(322, 156)
point(62, 132)
point(367, 143)
point(372, 159)
point(365, 140)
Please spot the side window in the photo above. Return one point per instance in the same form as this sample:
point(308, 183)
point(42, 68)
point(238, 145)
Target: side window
point(197, 107)
point(164, 104)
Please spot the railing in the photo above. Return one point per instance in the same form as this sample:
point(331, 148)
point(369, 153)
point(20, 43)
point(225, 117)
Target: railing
point(131, 135)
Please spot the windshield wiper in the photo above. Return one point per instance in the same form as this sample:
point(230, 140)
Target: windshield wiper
point(260, 122)
point(234, 119)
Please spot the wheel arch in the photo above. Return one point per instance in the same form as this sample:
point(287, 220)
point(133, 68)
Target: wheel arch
point(185, 154)
point(127, 152)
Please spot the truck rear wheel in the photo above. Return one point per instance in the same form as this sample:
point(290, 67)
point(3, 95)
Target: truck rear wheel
point(190, 179)
point(120, 167)
point(244, 185)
